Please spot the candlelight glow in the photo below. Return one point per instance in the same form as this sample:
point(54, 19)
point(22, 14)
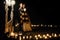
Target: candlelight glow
point(12, 34)
point(35, 36)
point(23, 37)
point(24, 9)
point(27, 37)
point(47, 34)
point(30, 37)
point(38, 35)
point(55, 35)
point(45, 37)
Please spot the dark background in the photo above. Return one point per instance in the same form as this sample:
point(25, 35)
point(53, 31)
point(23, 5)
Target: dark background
point(39, 11)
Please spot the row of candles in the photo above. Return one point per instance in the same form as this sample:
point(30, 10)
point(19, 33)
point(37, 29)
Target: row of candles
point(34, 36)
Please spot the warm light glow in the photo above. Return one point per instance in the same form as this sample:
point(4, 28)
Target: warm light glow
point(20, 33)
point(12, 34)
point(17, 24)
point(24, 9)
point(12, 2)
point(20, 38)
point(45, 37)
point(41, 25)
point(47, 34)
point(35, 36)
point(50, 25)
point(34, 25)
point(16, 35)
point(8, 2)
point(26, 18)
point(27, 37)
point(55, 35)
point(6, 29)
point(23, 37)
point(22, 14)
point(30, 37)
point(38, 35)
point(23, 18)
point(50, 36)
point(25, 13)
